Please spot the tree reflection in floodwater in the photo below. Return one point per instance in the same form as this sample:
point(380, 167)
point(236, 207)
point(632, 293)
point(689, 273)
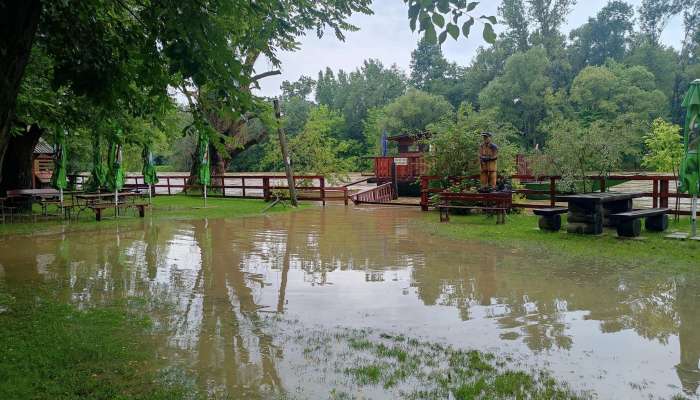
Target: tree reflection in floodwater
point(212, 285)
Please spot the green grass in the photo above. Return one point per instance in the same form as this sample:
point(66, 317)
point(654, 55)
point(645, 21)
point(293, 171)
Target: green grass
point(424, 370)
point(652, 250)
point(56, 351)
point(164, 207)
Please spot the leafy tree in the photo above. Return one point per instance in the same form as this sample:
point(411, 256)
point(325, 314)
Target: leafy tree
point(518, 94)
point(548, 17)
point(316, 149)
point(604, 37)
point(455, 143)
point(354, 94)
point(664, 147)
point(655, 14)
point(413, 112)
point(574, 150)
point(486, 65)
point(513, 13)
point(432, 73)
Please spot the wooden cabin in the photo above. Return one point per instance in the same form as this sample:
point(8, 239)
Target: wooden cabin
point(409, 163)
point(42, 165)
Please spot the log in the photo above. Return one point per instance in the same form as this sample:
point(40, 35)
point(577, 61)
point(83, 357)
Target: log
point(550, 223)
point(657, 223)
point(583, 228)
point(630, 228)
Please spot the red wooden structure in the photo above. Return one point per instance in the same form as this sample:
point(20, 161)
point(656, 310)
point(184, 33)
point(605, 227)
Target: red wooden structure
point(408, 166)
point(42, 164)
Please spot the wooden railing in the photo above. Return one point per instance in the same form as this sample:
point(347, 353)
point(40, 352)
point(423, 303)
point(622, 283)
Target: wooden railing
point(660, 193)
point(381, 194)
point(309, 187)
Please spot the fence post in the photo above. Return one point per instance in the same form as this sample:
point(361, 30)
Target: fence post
point(602, 184)
point(552, 191)
point(664, 193)
point(655, 193)
point(345, 195)
point(266, 188)
point(322, 180)
point(424, 193)
point(167, 179)
point(243, 184)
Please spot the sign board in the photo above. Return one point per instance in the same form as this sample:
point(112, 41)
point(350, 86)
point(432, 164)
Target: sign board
point(401, 161)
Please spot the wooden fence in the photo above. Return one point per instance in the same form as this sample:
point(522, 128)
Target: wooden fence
point(660, 193)
point(309, 187)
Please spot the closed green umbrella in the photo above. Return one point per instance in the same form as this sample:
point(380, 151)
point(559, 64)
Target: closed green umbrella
point(59, 179)
point(115, 178)
point(149, 169)
point(203, 173)
point(98, 175)
point(690, 167)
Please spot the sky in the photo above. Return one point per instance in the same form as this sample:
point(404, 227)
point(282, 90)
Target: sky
point(386, 36)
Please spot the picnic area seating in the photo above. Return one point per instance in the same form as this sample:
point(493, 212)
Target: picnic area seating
point(550, 218)
point(629, 223)
point(99, 207)
point(498, 203)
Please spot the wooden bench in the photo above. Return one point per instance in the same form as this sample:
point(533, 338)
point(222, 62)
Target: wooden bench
point(629, 223)
point(550, 218)
point(498, 202)
point(97, 208)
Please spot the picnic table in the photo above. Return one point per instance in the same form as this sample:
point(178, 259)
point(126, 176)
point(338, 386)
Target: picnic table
point(498, 203)
point(43, 197)
point(590, 212)
point(101, 201)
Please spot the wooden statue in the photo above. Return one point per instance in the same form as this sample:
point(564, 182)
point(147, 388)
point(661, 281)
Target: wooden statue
point(488, 156)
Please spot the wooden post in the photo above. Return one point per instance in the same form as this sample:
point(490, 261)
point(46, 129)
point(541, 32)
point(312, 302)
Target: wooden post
point(285, 154)
point(243, 184)
point(394, 180)
point(322, 181)
point(552, 191)
point(663, 203)
point(602, 184)
point(167, 180)
point(655, 193)
point(266, 188)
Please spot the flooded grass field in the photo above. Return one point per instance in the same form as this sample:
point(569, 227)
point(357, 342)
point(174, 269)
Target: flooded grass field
point(354, 302)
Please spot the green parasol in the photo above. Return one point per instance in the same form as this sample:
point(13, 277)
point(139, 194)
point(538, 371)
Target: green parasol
point(203, 173)
point(690, 167)
point(58, 178)
point(98, 175)
point(115, 177)
point(149, 169)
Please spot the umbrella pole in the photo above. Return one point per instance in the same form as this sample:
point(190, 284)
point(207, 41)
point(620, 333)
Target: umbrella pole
point(694, 217)
point(116, 204)
point(149, 193)
point(205, 196)
point(60, 198)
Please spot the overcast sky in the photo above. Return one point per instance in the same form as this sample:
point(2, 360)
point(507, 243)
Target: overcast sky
point(387, 37)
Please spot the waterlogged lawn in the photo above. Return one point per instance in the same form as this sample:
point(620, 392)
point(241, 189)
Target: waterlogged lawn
point(52, 350)
point(651, 250)
point(402, 367)
point(164, 207)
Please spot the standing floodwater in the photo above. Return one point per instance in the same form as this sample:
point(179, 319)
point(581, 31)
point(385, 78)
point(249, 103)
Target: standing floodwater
point(214, 286)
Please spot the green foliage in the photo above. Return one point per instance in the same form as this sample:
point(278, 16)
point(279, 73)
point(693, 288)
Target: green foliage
point(354, 94)
point(432, 73)
point(518, 94)
point(414, 111)
point(317, 149)
point(446, 15)
point(664, 147)
point(575, 150)
point(455, 143)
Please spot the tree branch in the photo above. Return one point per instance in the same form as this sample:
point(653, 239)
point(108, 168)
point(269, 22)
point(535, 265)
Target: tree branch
point(265, 75)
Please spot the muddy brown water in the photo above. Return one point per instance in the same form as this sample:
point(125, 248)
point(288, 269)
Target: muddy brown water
point(615, 330)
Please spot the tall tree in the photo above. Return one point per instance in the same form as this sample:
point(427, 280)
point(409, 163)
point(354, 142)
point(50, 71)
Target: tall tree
point(514, 15)
point(548, 17)
point(432, 73)
point(603, 37)
point(655, 14)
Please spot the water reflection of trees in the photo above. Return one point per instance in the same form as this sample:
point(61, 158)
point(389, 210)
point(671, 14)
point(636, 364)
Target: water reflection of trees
point(215, 275)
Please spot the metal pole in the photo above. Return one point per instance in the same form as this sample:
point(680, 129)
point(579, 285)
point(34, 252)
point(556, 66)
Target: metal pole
point(285, 154)
point(116, 203)
point(694, 217)
point(205, 196)
point(149, 193)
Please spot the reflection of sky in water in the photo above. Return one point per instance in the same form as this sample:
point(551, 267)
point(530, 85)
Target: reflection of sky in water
point(618, 331)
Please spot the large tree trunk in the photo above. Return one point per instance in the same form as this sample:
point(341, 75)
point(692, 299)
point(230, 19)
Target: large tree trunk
point(17, 165)
point(18, 24)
